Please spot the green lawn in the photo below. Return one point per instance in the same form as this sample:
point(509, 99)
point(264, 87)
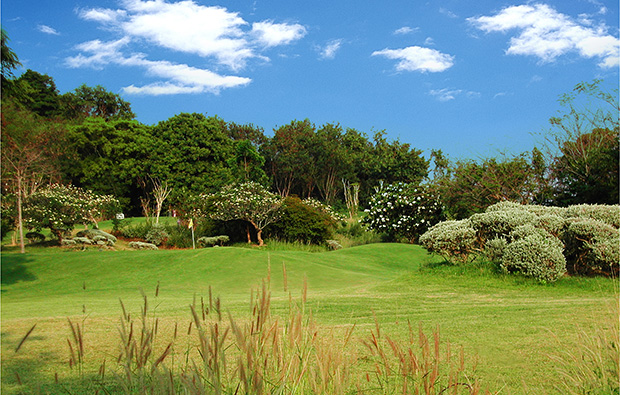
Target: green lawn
point(511, 325)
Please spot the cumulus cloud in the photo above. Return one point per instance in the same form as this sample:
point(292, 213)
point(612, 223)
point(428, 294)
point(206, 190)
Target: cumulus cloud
point(330, 49)
point(548, 34)
point(418, 59)
point(180, 78)
point(48, 30)
point(221, 36)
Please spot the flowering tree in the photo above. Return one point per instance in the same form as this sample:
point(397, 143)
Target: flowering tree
point(403, 210)
point(249, 202)
point(59, 208)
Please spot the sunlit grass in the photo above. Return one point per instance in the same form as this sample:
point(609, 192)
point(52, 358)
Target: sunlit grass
point(512, 325)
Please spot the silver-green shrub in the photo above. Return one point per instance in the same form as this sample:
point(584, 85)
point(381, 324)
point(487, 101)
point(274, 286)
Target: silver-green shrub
point(494, 249)
point(138, 245)
point(535, 256)
point(599, 212)
point(213, 241)
point(97, 235)
point(592, 247)
point(493, 224)
point(455, 241)
point(157, 235)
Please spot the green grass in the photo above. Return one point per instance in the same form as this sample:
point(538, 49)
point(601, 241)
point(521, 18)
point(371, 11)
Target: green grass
point(514, 326)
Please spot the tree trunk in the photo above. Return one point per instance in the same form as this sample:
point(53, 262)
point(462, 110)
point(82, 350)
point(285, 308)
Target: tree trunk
point(247, 229)
point(258, 236)
point(20, 223)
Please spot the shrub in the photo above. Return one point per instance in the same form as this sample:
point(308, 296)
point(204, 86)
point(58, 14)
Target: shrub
point(156, 235)
point(535, 256)
point(35, 237)
point(301, 222)
point(97, 235)
point(213, 241)
point(494, 249)
point(609, 215)
point(403, 211)
point(455, 241)
point(138, 245)
point(592, 247)
point(496, 224)
point(333, 245)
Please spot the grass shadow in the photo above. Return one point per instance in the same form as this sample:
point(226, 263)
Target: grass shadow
point(14, 269)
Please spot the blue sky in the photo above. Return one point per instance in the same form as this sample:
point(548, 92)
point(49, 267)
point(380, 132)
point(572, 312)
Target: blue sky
point(469, 78)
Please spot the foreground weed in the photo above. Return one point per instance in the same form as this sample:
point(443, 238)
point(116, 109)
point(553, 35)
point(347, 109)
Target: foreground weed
point(593, 367)
point(267, 354)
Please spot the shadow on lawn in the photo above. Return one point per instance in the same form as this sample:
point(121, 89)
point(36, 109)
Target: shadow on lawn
point(14, 269)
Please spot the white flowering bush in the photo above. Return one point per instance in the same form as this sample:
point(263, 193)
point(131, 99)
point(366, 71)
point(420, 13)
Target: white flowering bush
point(249, 202)
point(403, 211)
point(324, 208)
point(60, 207)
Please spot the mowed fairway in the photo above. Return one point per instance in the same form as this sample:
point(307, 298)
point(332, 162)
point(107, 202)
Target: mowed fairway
point(511, 326)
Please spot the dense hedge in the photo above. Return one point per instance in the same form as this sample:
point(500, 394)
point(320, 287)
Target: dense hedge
point(303, 221)
point(538, 241)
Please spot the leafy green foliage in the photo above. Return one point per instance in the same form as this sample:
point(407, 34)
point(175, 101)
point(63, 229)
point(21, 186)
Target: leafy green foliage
point(157, 234)
point(85, 101)
point(302, 222)
point(403, 211)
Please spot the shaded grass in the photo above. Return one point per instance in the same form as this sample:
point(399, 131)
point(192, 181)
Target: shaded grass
point(507, 321)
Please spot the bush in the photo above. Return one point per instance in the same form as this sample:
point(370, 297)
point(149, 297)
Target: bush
point(97, 235)
point(455, 241)
point(535, 256)
point(592, 247)
point(157, 235)
point(213, 241)
point(35, 237)
point(403, 211)
point(138, 245)
point(541, 242)
point(301, 222)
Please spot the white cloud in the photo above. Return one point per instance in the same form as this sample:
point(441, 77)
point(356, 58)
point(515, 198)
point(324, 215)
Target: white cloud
point(418, 59)
point(48, 30)
point(447, 13)
point(446, 94)
point(272, 34)
point(330, 49)
point(212, 32)
point(406, 30)
point(180, 78)
point(548, 34)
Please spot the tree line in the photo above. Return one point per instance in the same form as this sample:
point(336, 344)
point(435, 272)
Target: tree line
point(90, 138)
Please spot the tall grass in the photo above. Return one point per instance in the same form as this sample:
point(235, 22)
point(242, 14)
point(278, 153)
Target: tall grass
point(270, 354)
point(593, 366)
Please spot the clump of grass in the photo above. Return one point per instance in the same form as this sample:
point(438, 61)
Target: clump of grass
point(269, 354)
point(593, 367)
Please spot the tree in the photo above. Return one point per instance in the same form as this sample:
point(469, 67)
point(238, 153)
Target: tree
point(249, 202)
point(583, 145)
point(85, 101)
point(161, 190)
point(38, 93)
point(8, 57)
point(247, 163)
point(289, 159)
point(470, 187)
point(587, 170)
point(191, 151)
point(30, 149)
point(59, 208)
point(110, 158)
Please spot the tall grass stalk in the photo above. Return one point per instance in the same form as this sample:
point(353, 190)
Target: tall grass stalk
point(593, 367)
point(268, 354)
